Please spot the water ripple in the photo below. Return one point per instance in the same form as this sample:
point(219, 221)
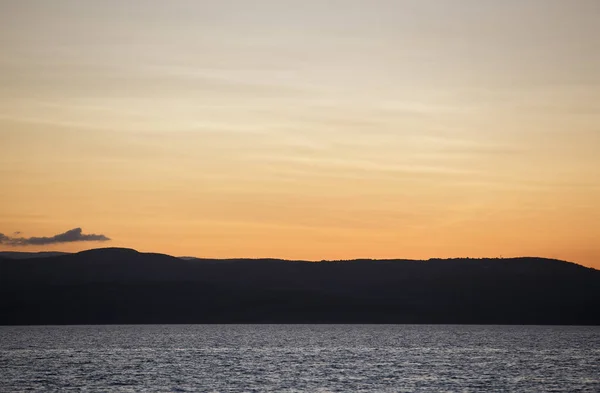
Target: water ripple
point(294, 358)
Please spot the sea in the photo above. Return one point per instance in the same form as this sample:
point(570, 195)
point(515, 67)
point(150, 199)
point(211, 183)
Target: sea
point(299, 358)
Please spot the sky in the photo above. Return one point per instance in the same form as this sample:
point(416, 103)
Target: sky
point(302, 129)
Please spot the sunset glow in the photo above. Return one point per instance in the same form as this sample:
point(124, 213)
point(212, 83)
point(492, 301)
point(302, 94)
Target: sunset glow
point(303, 129)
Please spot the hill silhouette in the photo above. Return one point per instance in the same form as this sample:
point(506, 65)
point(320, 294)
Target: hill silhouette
point(27, 255)
point(110, 286)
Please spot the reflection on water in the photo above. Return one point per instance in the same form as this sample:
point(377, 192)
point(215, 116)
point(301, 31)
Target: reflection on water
point(326, 358)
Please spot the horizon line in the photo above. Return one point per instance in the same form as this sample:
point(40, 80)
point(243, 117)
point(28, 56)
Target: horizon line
point(295, 260)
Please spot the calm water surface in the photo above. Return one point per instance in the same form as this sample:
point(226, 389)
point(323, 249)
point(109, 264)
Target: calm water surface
point(318, 358)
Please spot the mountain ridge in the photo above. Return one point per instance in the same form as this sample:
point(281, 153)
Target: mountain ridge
point(114, 285)
point(49, 254)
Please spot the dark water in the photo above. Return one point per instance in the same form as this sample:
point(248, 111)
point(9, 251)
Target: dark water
point(317, 358)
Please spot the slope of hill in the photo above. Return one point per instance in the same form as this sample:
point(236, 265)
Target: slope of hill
point(29, 255)
point(124, 286)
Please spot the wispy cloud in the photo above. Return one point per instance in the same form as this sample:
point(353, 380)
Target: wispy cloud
point(74, 235)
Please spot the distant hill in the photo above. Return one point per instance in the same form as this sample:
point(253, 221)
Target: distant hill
point(109, 286)
point(28, 255)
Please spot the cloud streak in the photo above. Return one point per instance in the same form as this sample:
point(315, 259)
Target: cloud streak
point(72, 236)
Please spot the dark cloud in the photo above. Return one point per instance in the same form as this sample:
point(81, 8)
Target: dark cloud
point(74, 235)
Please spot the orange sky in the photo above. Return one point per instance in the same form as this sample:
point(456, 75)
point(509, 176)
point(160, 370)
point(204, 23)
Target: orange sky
point(304, 129)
